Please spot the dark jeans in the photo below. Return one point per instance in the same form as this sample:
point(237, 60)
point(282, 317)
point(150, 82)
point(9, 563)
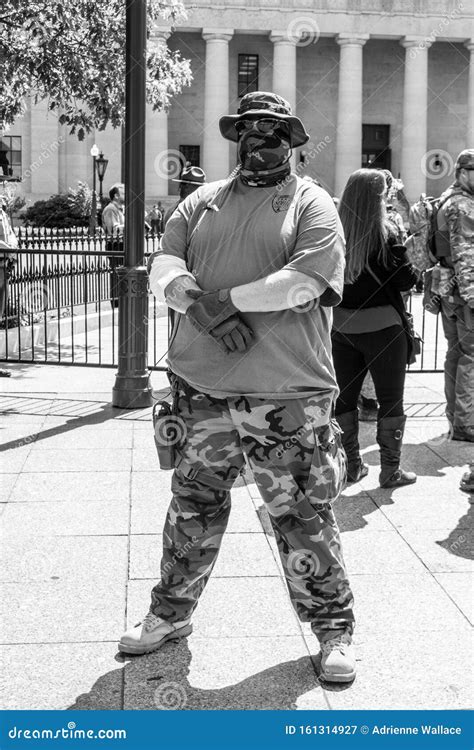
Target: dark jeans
point(384, 354)
point(114, 261)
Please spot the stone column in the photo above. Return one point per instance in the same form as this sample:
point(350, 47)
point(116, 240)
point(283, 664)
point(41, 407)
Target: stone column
point(284, 71)
point(349, 108)
point(215, 159)
point(470, 97)
point(159, 165)
point(63, 159)
point(26, 147)
point(415, 106)
point(44, 167)
point(284, 66)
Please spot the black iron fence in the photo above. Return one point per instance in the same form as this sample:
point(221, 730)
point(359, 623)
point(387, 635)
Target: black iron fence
point(62, 304)
point(56, 269)
point(62, 300)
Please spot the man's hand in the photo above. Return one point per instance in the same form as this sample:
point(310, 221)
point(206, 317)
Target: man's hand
point(215, 314)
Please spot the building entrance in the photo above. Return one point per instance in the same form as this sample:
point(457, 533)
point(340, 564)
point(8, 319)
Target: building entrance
point(376, 153)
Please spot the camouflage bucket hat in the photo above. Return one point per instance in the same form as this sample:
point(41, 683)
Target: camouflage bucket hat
point(264, 104)
point(465, 159)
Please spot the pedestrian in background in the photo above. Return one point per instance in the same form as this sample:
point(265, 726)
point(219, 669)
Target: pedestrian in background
point(368, 406)
point(190, 179)
point(113, 221)
point(8, 243)
point(155, 217)
point(455, 252)
point(368, 333)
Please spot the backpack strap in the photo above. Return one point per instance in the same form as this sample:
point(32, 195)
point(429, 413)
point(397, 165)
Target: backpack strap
point(211, 199)
point(434, 227)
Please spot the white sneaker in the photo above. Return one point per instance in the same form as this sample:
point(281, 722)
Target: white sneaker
point(151, 634)
point(338, 659)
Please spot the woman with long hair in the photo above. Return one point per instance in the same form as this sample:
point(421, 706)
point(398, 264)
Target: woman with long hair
point(368, 333)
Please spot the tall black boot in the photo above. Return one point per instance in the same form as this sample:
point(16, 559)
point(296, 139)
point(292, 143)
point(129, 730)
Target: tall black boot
point(389, 437)
point(349, 424)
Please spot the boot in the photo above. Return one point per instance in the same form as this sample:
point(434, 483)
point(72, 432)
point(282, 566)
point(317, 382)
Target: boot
point(338, 659)
point(389, 437)
point(152, 633)
point(349, 424)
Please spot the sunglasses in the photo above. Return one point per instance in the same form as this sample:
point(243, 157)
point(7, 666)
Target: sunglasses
point(266, 125)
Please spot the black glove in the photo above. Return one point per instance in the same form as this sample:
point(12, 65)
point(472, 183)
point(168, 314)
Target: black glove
point(234, 334)
point(215, 314)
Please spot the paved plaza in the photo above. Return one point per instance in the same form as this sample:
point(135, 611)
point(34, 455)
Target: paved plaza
point(83, 507)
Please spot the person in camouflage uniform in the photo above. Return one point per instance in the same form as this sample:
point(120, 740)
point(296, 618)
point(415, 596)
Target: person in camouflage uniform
point(299, 469)
point(455, 250)
point(253, 264)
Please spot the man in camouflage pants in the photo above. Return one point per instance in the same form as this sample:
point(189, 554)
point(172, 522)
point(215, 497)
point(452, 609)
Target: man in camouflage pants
point(253, 265)
point(455, 251)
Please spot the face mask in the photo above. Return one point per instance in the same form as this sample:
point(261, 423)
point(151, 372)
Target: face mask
point(264, 157)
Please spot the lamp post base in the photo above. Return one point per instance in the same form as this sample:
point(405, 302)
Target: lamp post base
point(132, 389)
point(132, 392)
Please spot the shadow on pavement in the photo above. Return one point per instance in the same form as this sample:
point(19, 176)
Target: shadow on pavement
point(352, 510)
point(160, 681)
point(460, 541)
point(88, 414)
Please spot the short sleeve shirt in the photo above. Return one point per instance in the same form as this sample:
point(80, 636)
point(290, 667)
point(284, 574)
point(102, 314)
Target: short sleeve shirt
point(255, 232)
point(112, 218)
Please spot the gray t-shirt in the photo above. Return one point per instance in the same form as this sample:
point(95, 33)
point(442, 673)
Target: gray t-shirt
point(255, 232)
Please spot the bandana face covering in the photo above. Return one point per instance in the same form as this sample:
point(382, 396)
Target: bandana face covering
point(264, 158)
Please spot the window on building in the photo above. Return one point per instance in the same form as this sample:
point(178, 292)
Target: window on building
point(191, 154)
point(10, 156)
point(248, 74)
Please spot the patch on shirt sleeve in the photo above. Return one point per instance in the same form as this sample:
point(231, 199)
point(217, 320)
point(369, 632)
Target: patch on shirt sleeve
point(281, 202)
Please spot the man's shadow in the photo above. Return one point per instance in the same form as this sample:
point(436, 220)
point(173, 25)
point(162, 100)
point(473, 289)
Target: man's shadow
point(94, 413)
point(160, 681)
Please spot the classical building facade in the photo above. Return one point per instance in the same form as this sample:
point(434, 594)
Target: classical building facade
point(376, 82)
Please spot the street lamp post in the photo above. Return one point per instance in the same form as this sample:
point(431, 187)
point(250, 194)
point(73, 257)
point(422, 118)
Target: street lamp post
point(93, 216)
point(101, 165)
point(132, 389)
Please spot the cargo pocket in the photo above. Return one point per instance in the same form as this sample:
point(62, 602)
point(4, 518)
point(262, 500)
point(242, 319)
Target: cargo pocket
point(220, 478)
point(327, 473)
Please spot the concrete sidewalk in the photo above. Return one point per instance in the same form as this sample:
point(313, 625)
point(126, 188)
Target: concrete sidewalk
point(83, 506)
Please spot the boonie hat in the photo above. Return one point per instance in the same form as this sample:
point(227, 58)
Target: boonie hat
point(465, 159)
point(192, 176)
point(264, 104)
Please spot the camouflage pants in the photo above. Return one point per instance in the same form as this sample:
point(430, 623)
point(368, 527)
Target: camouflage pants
point(458, 324)
point(299, 467)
